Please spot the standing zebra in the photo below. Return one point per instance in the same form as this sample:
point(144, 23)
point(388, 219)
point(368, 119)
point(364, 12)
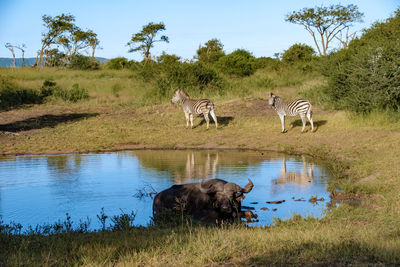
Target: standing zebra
point(300, 107)
point(193, 106)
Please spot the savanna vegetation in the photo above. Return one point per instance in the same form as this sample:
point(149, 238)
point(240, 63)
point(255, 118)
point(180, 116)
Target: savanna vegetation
point(124, 104)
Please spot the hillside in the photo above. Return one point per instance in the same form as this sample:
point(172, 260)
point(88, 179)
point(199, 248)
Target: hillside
point(6, 62)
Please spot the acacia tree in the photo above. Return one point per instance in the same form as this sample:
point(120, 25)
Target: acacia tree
point(326, 22)
point(11, 48)
point(55, 28)
point(93, 42)
point(145, 39)
point(346, 38)
point(22, 48)
point(75, 41)
point(210, 52)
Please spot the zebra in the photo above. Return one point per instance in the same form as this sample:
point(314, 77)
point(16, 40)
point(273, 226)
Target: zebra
point(193, 106)
point(300, 107)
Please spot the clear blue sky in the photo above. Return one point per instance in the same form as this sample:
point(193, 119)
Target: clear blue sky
point(255, 25)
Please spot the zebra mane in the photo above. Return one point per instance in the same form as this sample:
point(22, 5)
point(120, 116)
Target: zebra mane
point(183, 93)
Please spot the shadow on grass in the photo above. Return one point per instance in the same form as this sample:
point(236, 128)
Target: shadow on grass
point(328, 254)
point(317, 124)
point(222, 121)
point(44, 121)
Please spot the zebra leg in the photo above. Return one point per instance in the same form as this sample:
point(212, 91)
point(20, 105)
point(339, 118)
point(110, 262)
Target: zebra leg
point(282, 117)
point(207, 119)
point(187, 120)
point(309, 117)
point(303, 120)
point(214, 118)
point(191, 121)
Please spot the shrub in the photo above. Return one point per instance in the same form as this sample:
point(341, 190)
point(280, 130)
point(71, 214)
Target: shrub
point(366, 76)
point(211, 52)
point(81, 62)
point(268, 62)
point(116, 88)
point(50, 88)
point(298, 53)
point(194, 78)
point(147, 70)
point(73, 95)
point(239, 63)
point(168, 59)
point(117, 63)
point(11, 96)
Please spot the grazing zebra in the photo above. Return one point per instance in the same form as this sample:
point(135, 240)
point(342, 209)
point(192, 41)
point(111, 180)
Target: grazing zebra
point(193, 106)
point(300, 107)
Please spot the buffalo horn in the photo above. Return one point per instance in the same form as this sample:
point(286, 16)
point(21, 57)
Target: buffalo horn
point(248, 187)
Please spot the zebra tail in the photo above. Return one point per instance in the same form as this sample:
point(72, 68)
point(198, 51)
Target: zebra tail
point(210, 105)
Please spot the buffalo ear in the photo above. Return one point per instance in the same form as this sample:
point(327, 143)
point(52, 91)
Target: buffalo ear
point(211, 190)
point(208, 190)
point(232, 188)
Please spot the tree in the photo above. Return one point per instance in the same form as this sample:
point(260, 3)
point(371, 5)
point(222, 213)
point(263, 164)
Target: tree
point(55, 28)
point(211, 52)
point(53, 58)
point(22, 48)
point(346, 39)
point(298, 53)
point(93, 42)
point(11, 48)
point(325, 21)
point(145, 39)
point(77, 40)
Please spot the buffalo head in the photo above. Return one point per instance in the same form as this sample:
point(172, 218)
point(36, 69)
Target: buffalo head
point(225, 196)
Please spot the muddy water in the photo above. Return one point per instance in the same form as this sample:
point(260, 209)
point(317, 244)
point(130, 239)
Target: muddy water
point(42, 189)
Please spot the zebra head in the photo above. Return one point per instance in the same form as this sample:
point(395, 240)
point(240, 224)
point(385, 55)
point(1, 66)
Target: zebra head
point(179, 95)
point(271, 100)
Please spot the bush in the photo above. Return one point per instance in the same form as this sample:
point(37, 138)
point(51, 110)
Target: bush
point(81, 62)
point(73, 95)
point(147, 70)
point(11, 96)
point(298, 53)
point(117, 63)
point(268, 62)
point(192, 77)
point(50, 88)
point(239, 63)
point(168, 59)
point(366, 76)
point(211, 52)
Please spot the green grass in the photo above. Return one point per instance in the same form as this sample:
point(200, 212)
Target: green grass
point(361, 153)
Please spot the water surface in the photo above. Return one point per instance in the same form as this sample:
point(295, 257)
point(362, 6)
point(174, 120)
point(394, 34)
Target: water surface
point(42, 189)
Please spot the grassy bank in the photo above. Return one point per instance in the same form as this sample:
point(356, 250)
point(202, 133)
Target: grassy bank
point(361, 151)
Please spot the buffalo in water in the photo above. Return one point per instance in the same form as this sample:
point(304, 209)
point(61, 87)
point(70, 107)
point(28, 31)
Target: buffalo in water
point(209, 202)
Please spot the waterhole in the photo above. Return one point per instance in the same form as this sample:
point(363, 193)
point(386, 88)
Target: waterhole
point(37, 190)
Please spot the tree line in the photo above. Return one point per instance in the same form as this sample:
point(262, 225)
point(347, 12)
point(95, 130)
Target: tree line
point(63, 41)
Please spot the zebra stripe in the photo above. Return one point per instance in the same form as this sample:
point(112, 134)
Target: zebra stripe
point(193, 106)
point(300, 107)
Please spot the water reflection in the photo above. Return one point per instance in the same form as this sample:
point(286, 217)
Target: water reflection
point(303, 178)
point(186, 165)
point(41, 189)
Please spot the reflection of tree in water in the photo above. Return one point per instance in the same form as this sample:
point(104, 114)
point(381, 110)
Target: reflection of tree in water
point(64, 165)
point(305, 177)
point(185, 165)
point(204, 168)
